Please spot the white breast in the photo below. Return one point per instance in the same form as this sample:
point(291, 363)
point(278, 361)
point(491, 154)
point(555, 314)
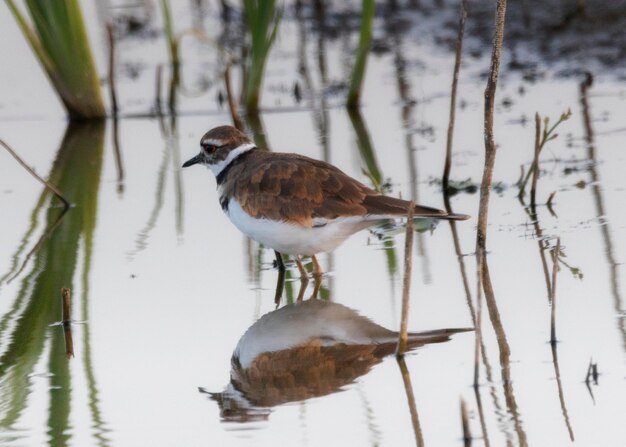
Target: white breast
point(292, 239)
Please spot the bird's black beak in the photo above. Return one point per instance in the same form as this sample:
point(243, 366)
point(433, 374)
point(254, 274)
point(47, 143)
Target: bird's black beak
point(192, 161)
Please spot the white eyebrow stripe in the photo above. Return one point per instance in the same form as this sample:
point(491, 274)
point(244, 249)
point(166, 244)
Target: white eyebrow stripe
point(211, 141)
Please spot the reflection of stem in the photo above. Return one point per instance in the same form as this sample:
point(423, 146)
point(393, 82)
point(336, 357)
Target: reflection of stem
point(142, 235)
point(455, 80)
point(369, 416)
point(408, 388)
point(232, 105)
point(178, 184)
point(368, 156)
point(600, 211)
point(407, 110)
point(118, 157)
point(94, 401)
point(470, 304)
point(481, 416)
point(41, 240)
point(555, 362)
point(542, 245)
point(48, 185)
point(505, 352)
point(555, 269)
point(25, 239)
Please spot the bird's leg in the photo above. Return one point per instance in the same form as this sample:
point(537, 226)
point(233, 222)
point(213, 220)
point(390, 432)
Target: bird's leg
point(316, 288)
point(317, 269)
point(304, 276)
point(317, 276)
point(279, 262)
point(303, 284)
point(280, 285)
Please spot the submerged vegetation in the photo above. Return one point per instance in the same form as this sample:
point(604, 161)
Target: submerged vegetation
point(59, 40)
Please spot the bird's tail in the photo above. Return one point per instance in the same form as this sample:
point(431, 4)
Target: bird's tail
point(379, 205)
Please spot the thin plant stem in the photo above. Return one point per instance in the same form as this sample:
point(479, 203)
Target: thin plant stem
point(535, 165)
point(406, 283)
point(490, 159)
point(51, 187)
point(455, 79)
point(546, 135)
point(67, 305)
point(157, 90)
point(112, 88)
point(232, 105)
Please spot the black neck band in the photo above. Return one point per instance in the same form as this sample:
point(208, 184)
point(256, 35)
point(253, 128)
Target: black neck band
point(221, 177)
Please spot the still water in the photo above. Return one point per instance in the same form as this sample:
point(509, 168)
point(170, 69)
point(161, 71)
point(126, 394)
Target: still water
point(177, 340)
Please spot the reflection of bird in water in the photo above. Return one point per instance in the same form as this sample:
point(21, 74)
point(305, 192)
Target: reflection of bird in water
point(303, 350)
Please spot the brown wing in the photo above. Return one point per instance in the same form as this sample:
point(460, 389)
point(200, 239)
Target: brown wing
point(295, 189)
point(298, 189)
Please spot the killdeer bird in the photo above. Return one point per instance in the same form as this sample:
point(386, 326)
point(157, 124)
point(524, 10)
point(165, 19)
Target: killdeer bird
point(292, 203)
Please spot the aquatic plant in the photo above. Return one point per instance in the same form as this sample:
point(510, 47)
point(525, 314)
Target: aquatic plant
point(59, 40)
point(365, 39)
point(542, 136)
point(263, 19)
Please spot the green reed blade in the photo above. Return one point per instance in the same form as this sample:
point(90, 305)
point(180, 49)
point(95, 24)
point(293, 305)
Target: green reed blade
point(365, 40)
point(263, 19)
point(59, 40)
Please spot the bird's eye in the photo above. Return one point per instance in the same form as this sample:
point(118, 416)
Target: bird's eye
point(209, 148)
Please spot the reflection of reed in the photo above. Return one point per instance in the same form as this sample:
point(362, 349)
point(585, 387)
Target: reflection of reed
point(174, 147)
point(119, 164)
point(76, 170)
point(144, 233)
point(600, 210)
point(555, 362)
point(468, 296)
point(410, 397)
point(505, 354)
point(542, 245)
point(408, 104)
point(14, 272)
point(368, 156)
point(455, 79)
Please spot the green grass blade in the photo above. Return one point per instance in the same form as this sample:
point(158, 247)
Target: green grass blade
point(365, 40)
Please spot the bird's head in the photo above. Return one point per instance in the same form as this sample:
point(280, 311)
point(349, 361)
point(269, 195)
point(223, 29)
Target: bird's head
point(219, 146)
